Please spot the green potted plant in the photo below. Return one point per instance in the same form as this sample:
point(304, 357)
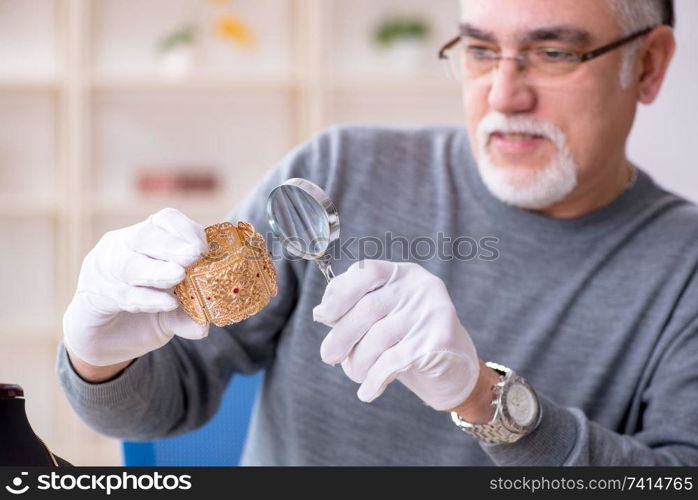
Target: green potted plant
point(403, 39)
point(176, 52)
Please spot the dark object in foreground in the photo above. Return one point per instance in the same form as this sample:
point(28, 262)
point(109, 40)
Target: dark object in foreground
point(20, 445)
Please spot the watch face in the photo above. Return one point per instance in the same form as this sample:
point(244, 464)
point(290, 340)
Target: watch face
point(521, 404)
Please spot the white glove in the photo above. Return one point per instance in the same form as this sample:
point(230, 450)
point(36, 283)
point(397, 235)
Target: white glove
point(124, 306)
point(396, 320)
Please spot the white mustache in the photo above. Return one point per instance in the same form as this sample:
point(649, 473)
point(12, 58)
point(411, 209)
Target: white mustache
point(498, 122)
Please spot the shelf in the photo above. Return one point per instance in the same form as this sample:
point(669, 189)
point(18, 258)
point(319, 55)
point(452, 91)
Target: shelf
point(354, 83)
point(12, 205)
point(138, 83)
point(140, 206)
point(382, 83)
point(28, 84)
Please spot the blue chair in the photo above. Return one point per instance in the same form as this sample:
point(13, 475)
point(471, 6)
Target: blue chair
point(219, 442)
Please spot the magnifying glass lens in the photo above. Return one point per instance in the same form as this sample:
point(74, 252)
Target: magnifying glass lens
point(301, 219)
point(302, 215)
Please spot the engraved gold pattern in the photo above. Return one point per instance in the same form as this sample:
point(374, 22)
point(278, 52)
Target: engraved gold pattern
point(234, 281)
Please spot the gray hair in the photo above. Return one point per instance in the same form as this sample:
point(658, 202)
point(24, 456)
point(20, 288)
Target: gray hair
point(635, 15)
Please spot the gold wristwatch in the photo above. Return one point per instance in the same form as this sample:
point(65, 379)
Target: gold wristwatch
point(517, 410)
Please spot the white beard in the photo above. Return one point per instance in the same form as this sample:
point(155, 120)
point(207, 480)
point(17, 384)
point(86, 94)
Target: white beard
point(527, 190)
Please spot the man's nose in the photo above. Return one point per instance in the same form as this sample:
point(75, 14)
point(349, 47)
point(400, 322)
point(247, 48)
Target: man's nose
point(510, 93)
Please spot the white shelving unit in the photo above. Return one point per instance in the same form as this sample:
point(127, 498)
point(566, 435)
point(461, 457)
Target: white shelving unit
point(88, 112)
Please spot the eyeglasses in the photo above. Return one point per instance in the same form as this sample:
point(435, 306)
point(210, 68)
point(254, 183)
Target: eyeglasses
point(543, 65)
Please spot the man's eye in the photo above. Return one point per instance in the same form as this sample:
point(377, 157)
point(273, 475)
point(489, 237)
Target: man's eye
point(555, 55)
point(480, 53)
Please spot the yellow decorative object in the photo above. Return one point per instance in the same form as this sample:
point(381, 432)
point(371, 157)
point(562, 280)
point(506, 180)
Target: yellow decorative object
point(234, 281)
point(234, 29)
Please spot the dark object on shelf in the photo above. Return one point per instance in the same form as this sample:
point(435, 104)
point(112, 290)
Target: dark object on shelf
point(177, 181)
point(19, 445)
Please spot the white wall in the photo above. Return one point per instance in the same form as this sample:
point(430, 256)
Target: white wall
point(665, 133)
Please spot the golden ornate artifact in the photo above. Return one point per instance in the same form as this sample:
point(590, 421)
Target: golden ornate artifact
point(234, 281)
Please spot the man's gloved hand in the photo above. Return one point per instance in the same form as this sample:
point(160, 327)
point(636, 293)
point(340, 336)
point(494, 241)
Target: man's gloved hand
point(397, 321)
point(124, 306)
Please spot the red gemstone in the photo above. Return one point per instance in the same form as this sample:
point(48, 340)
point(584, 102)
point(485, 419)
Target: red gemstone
point(208, 298)
point(237, 290)
point(258, 275)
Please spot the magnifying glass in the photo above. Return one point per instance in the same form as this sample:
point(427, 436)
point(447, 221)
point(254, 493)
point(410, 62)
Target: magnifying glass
point(306, 221)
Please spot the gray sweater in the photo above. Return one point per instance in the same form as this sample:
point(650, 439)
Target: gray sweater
point(598, 313)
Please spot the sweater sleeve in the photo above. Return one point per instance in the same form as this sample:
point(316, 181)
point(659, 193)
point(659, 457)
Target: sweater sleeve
point(667, 434)
point(178, 387)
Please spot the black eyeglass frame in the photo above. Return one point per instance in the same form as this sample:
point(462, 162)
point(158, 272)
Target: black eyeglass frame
point(586, 56)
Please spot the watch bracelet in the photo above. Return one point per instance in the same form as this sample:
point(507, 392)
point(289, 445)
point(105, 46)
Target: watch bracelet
point(494, 431)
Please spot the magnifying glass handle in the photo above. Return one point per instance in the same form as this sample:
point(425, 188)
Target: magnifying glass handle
point(326, 269)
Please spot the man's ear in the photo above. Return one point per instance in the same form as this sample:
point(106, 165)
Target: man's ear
point(654, 61)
